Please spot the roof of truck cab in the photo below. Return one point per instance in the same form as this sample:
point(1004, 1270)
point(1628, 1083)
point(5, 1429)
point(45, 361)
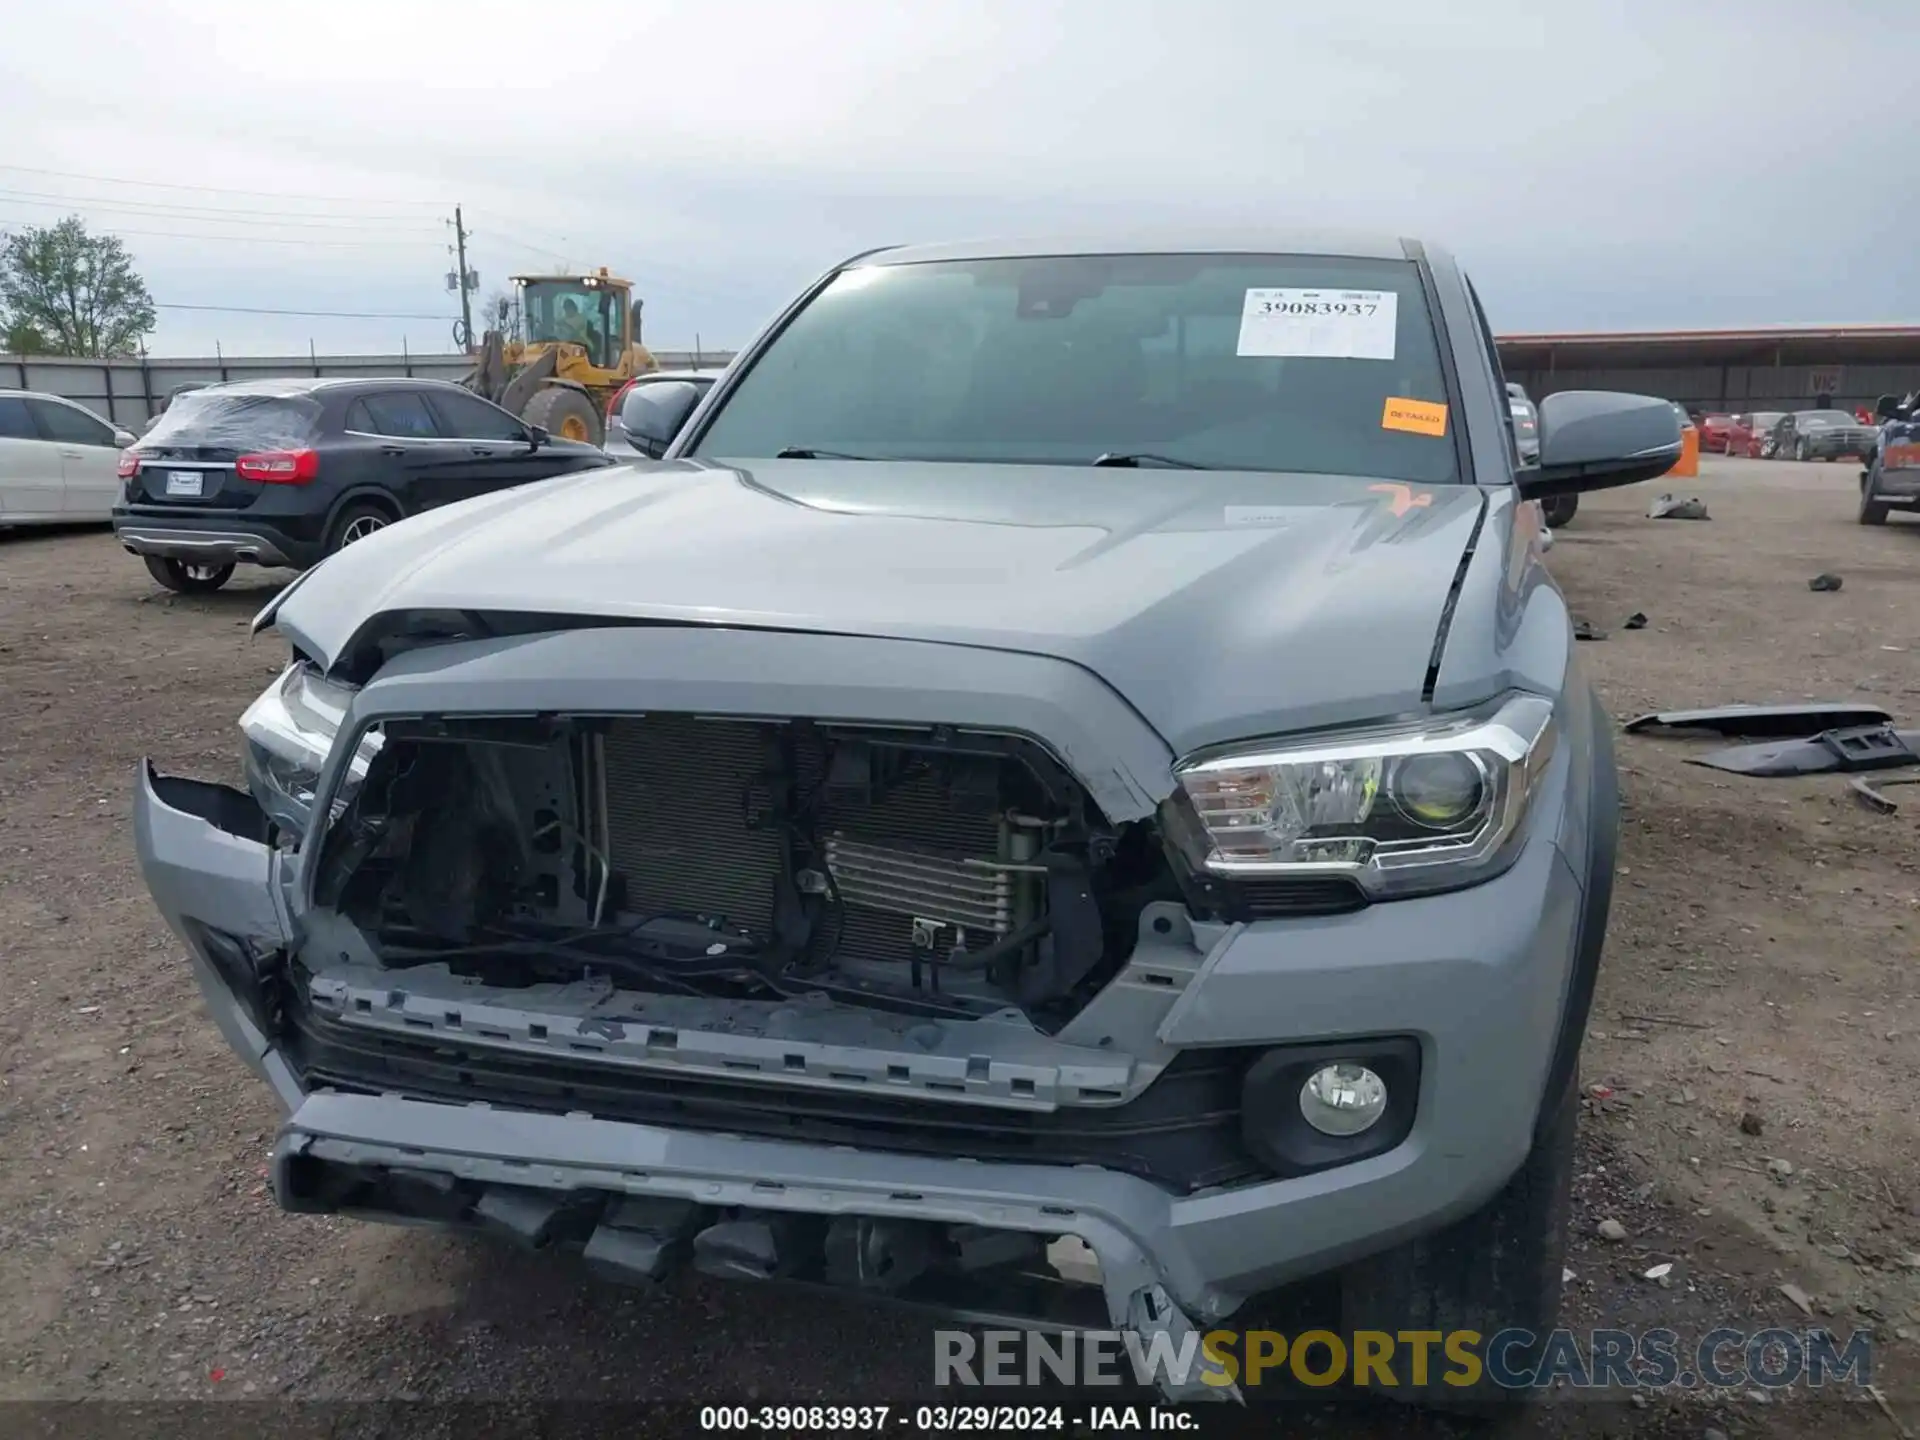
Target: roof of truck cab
point(1353, 245)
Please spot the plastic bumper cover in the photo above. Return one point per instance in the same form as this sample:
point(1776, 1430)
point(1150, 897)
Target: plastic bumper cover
point(211, 540)
point(1477, 976)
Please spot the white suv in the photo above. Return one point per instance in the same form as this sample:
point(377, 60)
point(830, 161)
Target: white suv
point(59, 462)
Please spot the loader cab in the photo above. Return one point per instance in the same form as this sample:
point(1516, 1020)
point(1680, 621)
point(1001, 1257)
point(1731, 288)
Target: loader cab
point(587, 310)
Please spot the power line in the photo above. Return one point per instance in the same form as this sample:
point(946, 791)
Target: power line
point(320, 314)
point(673, 276)
point(118, 202)
point(208, 189)
point(535, 249)
point(12, 197)
point(272, 239)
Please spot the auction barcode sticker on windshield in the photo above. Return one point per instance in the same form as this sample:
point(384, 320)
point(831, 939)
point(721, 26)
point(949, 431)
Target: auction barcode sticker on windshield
point(1327, 324)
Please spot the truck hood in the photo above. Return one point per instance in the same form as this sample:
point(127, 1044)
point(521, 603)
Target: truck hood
point(1222, 605)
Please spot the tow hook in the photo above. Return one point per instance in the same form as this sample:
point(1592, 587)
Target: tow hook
point(1150, 1312)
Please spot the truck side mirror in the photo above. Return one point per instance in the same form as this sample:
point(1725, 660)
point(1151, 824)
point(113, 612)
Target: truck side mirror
point(1596, 439)
point(653, 414)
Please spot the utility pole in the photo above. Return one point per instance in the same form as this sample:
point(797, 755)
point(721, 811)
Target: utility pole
point(463, 279)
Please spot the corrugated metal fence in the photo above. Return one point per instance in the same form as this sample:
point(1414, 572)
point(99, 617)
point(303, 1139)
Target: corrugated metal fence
point(127, 392)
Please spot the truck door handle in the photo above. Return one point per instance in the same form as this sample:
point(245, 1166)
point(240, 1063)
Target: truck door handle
point(71, 455)
point(393, 451)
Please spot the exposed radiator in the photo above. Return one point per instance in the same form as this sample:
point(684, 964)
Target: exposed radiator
point(682, 796)
point(965, 892)
point(677, 794)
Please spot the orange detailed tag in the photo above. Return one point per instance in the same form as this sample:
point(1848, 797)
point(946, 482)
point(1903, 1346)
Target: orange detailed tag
point(1416, 417)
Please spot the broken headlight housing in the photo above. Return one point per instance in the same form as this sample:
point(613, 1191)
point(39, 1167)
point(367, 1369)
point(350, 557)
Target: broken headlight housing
point(290, 732)
point(1401, 811)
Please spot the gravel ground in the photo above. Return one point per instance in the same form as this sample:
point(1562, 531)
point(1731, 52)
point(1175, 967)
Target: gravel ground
point(1758, 979)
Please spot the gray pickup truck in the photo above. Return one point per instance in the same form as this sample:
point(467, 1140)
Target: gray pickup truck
point(1072, 743)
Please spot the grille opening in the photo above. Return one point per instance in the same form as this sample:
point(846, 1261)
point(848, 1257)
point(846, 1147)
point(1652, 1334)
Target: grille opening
point(925, 869)
point(928, 870)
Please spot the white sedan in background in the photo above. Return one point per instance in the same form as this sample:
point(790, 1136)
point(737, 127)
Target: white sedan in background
point(59, 462)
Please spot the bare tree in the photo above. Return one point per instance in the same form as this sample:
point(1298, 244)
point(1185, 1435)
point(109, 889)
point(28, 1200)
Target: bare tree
point(501, 311)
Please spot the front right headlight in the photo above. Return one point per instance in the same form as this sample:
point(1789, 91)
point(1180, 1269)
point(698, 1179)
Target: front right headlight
point(1403, 810)
point(290, 731)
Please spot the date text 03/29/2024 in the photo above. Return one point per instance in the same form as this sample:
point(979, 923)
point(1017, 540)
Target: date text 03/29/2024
point(942, 1419)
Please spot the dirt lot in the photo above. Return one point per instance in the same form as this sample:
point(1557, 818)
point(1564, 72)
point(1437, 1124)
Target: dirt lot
point(1760, 965)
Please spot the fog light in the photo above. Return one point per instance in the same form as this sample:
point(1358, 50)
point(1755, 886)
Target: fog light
point(1343, 1099)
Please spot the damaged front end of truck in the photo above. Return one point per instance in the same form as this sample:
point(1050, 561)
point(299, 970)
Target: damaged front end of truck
point(569, 932)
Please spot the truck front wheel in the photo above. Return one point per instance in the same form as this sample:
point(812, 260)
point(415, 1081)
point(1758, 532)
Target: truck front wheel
point(1497, 1270)
point(1558, 510)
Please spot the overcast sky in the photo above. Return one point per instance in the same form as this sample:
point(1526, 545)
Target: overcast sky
point(1631, 165)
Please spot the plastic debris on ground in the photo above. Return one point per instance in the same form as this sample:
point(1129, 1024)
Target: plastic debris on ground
point(1668, 508)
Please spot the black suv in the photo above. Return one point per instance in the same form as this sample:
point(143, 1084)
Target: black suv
point(285, 472)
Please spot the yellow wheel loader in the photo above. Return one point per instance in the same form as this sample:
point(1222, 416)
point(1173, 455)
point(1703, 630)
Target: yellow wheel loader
point(579, 343)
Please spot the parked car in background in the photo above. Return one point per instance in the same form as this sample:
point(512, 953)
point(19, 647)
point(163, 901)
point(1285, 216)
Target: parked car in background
point(285, 472)
point(1526, 440)
point(1770, 440)
point(185, 387)
point(1714, 428)
point(1891, 479)
point(57, 461)
point(657, 399)
point(1823, 435)
point(1011, 624)
point(1526, 423)
point(1749, 433)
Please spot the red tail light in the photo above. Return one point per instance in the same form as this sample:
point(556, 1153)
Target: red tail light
point(279, 467)
point(613, 405)
point(129, 464)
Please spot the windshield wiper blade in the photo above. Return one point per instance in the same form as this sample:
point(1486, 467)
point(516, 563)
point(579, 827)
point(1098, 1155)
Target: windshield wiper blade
point(1135, 459)
point(802, 452)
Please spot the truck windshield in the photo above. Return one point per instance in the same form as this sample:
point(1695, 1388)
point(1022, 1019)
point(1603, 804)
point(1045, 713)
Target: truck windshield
point(1247, 362)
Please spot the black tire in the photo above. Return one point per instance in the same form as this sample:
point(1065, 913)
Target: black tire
point(1558, 510)
point(357, 521)
point(1800, 451)
point(566, 413)
point(1499, 1268)
point(187, 577)
point(1872, 512)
